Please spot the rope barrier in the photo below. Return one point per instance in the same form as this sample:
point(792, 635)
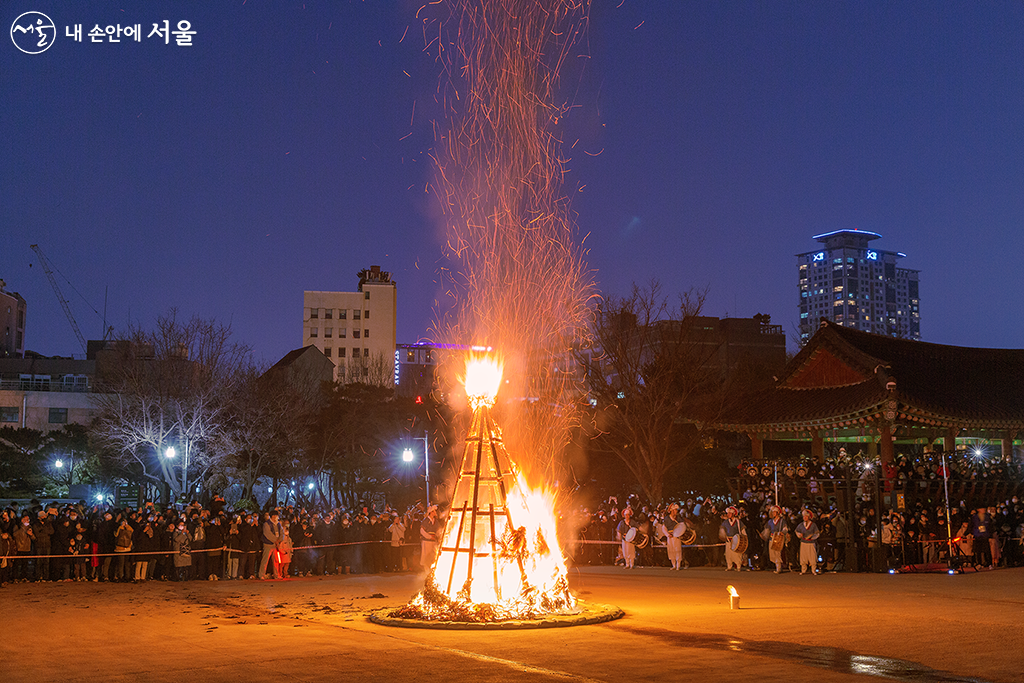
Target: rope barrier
point(87, 556)
point(653, 545)
point(193, 551)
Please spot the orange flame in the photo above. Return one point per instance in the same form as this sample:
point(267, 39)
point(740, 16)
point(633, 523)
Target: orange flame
point(732, 591)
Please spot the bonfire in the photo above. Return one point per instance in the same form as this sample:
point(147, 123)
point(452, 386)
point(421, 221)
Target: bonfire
point(499, 557)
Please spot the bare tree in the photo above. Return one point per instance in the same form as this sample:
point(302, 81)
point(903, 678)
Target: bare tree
point(652, 363)
point(377, 370)
point(268, 423)
point(169, 388)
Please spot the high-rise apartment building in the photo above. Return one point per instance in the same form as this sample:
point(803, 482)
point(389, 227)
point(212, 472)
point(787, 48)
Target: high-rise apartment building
point(12, 323)
point(356, 330)
point(856, 285)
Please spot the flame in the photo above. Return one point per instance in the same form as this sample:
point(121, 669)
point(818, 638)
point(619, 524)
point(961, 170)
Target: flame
point(528, 564)
point(499, 556)
point(483, 378)
point(732, 591)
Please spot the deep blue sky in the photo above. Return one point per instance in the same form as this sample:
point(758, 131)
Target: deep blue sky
point(281, 152)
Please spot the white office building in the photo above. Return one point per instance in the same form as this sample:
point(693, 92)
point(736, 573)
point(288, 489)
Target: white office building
point(356, 330)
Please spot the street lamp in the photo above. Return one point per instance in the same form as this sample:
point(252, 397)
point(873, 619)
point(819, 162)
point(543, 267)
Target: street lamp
point(65, 465)
point(170, 453)
point(408, 456)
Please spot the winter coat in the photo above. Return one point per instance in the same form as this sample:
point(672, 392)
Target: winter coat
point(144, 543)
point(123, 538)
point(214, 539)
point(43, 531)
point(181, 548)
point(23, 539)
point(284, 545)
point(6, 549)
point(105, 535)
point(249, 538)
point(61, 534)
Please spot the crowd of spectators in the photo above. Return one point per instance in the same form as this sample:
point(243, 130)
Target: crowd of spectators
point(984, 537)
point(102, 543)
point(758, 479)
point(195, 542)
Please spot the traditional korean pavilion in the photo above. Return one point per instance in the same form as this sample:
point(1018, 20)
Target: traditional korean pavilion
point(846, 385)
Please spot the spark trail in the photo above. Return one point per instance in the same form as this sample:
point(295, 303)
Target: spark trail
point(517, 275)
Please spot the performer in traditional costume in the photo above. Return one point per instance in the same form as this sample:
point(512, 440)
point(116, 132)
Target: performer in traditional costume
point(734, 533)
point(430, 532)
point(775, 533)
point(628, 546)
point(807, 531)
point(675, 544)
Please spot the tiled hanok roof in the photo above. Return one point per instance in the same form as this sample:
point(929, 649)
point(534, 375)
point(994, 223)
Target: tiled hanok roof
point(843, 374)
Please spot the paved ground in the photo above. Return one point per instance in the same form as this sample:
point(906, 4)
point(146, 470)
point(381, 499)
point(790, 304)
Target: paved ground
point(678, 626)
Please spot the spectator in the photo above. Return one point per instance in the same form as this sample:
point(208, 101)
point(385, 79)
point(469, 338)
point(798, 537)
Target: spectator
point(271, 538)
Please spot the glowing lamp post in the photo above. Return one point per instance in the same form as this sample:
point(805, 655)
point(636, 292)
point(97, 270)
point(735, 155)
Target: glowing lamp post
point(61, 466)
point(409, 456)
point(170, 453)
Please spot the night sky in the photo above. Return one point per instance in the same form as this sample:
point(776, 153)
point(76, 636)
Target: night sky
point(287, 149)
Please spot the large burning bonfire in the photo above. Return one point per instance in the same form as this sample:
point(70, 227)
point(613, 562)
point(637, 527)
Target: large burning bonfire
point(499, 557)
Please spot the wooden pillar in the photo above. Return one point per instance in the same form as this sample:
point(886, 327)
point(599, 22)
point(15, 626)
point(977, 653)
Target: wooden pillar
point(1007, 443)
point(818, 449)
point(756, 447)
point(885, 442)
point(872, 449)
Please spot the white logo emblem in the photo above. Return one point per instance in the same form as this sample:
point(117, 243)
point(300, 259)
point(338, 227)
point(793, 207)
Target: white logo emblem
point(33, 32)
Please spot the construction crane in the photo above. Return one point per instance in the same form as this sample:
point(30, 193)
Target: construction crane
point(60, 295)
